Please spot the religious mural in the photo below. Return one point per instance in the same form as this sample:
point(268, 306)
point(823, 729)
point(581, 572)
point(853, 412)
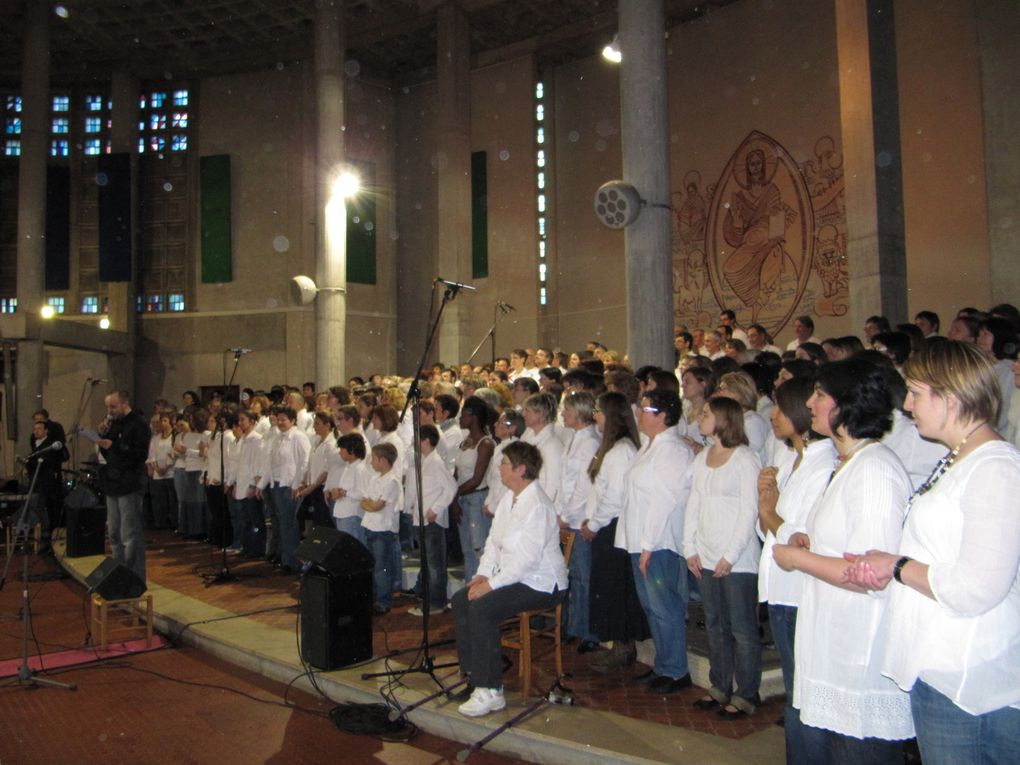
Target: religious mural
point(768, 240)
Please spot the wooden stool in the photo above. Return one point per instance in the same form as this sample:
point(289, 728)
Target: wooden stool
point(121, 618)
point(521, 630)
point(36, 538)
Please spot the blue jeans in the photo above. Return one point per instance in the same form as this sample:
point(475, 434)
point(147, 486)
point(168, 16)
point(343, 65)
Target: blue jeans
point(783, 620)
point(663, 596)
point(271, 523)
point(435, 549)
point(734, 648)
point(384, 546)
point(126, 525)
point(580, 590)
point(351, 525)
point(825, 747)
point(947, 735)
point(286, 515)
point(473, 529)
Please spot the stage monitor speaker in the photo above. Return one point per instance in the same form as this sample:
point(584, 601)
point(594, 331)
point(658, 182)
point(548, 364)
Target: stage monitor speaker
point(335, 552)
point(114, 581)
point(86, 530)
point(336, 619)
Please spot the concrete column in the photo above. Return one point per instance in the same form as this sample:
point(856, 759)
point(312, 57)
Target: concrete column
point(645, 135)
point(35, 99)
point(998, 25)
point(124, 92)
point(331, 245)
point(869, 119)
point(453, 168)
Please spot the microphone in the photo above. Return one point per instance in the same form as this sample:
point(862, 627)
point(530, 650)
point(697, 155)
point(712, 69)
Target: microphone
point(55, 446)
point(455, 285)
point(98, 380)
point(239, 351)
point(506, 306)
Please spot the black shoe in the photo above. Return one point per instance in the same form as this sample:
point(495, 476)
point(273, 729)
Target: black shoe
point(731, 714)
point(587, 646)
point(380, 609)
point(665, 684)
point(706, 703)
point(462, 694)
point(646, 677)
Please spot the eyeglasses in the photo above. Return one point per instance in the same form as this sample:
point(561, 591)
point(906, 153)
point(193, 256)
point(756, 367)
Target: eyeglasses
point(650, 409)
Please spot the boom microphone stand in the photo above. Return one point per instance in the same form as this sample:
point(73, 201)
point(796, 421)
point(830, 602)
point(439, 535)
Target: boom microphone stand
point(25, 672)
point(501, 311)
point(425, 664)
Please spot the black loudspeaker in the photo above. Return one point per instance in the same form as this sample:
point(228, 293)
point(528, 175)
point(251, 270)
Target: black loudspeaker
point(114, 581)
point(335, 552)
point(336, 619)
point(86, 530)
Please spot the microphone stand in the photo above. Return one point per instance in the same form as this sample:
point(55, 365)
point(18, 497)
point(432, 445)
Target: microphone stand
point(498, 312)
point(425, 663)
point(25, 672)
point(223, 576)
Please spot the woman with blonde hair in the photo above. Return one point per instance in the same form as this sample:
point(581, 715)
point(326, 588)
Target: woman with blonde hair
point(740, 387)
point(952, 634)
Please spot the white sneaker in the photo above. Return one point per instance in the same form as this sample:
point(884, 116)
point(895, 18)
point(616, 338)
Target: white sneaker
point(483, 701)
point(420, 611)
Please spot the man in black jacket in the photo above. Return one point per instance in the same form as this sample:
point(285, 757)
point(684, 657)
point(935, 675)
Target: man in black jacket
point(125, 446)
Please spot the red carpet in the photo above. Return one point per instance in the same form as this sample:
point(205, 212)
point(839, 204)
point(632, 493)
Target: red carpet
point(71, 658)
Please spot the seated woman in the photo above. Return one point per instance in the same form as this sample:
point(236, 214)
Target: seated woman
point(952, 636)
point(522, 569)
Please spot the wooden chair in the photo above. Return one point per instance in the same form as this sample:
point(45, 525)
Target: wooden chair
point(521, 631)
point(121, 619)
point(35, 536)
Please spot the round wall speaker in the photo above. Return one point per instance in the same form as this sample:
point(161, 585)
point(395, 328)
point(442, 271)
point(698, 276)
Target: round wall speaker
point(617, 204)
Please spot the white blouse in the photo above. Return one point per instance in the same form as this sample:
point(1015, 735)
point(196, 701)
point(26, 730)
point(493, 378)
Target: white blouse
point(607, 495)
point(838, 684)
point(798, 491)
point(722, 511)
point(917, 454)
point(492, 479)
point(575, 485)
point(551, 449)
point(966, 643)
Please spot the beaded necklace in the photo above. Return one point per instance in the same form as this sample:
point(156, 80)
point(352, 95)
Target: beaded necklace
point(941, 467)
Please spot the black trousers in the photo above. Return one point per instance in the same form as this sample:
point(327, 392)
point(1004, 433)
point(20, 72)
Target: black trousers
point(476, 623)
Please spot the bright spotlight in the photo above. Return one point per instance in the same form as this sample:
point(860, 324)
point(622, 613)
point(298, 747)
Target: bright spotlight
point(61, 11)
point(346, 185)
point(104, 323)
point(612, 51)
point(47, 312)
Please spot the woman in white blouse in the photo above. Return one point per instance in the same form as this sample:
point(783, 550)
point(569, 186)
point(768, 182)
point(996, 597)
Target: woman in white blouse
point(952, 636)
point(615, 612)
point(785, 497)
point(851, 713)
point(740, 387)
point(575, 485)
point(722, 553)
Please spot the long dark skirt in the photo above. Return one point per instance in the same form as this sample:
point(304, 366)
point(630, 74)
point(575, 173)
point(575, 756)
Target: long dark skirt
point(615, 612)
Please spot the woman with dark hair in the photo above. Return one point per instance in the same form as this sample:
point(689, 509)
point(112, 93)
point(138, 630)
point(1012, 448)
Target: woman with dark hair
point(785, 497)
point(849, 711)
point(190, 399)
point(472, 462)
point(951, 638)
point(998, 340)
point(615, 612)
point(722, 554)
point(812, 352)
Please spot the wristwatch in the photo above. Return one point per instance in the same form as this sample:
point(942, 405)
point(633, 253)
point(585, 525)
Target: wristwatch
point(898, 568)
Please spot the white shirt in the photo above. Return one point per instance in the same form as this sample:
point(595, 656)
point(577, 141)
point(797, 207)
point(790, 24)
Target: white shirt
point(799, 490)
point(492, 479)
point(385, 487)
point(657, 486)
point(722, 511)
point(838, 684)
point(288, 459)
point(795, 343)
point(608, 493)
point(161, 456)
point(1007, 384)
point(212, 456)
point(523, 545)
point(757, 430)
point(575, 485)
point(551, 449)
point(450, 437)
point(438, 488)
point(193, 461)
point(324, 456)
point(354, 480)
point(966, 643)
point(248, 459)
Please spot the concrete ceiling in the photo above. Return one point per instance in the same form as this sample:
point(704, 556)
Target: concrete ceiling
point(391, 39)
